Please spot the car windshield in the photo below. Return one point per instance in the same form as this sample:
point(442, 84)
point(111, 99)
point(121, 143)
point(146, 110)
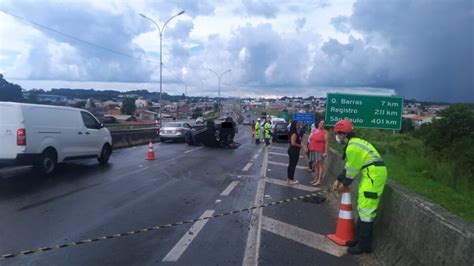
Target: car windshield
point(173, 124)
point(281, 126)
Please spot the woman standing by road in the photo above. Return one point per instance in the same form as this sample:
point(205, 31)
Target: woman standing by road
point(294, 151)
point(318, 150)
point(252, 125)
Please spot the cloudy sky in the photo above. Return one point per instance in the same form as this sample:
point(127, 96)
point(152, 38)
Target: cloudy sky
point(420, 49)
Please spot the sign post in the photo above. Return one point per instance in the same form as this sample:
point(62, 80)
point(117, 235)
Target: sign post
point(365, 111)
point(307, 118)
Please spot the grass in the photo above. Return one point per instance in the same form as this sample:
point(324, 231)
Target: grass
point(416, 174)
point(410, 165)
point(268, 111)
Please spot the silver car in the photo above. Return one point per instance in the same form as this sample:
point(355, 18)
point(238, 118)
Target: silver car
point(174, 131)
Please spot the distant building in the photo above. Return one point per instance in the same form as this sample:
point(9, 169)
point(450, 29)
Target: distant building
point(145, 115)
point(114, 111)
point(123, 118)
point(50, 98)
point(141, 104)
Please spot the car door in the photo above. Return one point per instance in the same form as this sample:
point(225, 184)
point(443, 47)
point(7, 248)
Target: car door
point(187, 127)
point(91, 134)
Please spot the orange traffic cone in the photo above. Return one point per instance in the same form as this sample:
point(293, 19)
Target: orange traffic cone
point(345, 221)
point(151, 154)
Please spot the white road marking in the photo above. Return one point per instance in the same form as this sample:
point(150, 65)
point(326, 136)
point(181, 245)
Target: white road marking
point(252, 248)
point(285, 164)
point(278, 148)
point(297, 186)
point(302, 236)
point(195, 149)
point(229, 188)
point(247, 167)
point(282, 154)
point(180, 247)
point(255, 156)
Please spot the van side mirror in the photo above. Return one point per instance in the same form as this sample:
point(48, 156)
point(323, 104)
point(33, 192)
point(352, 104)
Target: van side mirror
point(101, 125)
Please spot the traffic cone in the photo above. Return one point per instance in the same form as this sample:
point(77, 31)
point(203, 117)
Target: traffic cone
point(345, 221)
point(151, 154)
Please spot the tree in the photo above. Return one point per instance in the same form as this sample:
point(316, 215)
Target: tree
point(9, 91)
point(128, 106)
point(407, 125)
point(456, 122)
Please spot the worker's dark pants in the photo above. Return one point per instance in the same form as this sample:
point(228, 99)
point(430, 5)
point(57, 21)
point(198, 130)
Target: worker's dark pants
point(364, 234)
point(294, 155)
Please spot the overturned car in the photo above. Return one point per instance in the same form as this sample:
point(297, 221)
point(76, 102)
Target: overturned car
point(214, 135)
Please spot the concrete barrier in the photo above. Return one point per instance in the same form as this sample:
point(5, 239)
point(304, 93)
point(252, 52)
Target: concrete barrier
point(132, 137)
point(410, 230)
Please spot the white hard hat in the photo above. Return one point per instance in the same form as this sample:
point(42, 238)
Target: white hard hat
point(258, 119)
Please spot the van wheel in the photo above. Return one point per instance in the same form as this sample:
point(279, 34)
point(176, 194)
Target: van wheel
point(105, 154)
point(47, 162)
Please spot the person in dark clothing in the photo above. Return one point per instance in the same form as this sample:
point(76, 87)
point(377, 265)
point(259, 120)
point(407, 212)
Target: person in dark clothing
point(294, 151)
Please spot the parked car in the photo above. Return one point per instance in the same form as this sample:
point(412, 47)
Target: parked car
point(280, 132)
point(45, 135)
point(247, 122)
point(200, 120)
point(174, 131)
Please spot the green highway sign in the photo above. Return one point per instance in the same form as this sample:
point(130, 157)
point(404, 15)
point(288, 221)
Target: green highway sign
point(365, 111)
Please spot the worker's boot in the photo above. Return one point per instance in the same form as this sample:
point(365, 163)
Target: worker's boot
point(355, 241)
point(365, 239)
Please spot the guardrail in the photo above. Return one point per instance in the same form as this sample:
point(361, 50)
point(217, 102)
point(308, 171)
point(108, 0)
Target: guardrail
point(127, 137)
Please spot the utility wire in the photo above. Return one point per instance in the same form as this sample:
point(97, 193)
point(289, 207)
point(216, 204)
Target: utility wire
point(79, 40)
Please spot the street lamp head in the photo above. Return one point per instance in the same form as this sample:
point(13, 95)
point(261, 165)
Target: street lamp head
point(143, 15)
point(180, 13)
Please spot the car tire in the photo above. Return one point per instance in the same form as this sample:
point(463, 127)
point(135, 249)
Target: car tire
point(105, 154)
point(47, 162)
point(163, 139)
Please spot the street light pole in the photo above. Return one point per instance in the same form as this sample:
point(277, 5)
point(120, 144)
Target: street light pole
point(160, 30)
point(219, 76)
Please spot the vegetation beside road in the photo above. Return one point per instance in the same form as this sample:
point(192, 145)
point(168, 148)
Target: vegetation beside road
point(435, 161)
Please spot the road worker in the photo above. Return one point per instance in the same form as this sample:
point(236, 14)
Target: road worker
point(268, 131)
point(258, 131)
point(361, 157)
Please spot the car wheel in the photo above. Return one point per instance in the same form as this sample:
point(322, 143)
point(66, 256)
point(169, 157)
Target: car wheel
point(47, 162)
point(105, 154)
point(162, 139)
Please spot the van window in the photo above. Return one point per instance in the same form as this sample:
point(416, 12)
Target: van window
point(90, 121)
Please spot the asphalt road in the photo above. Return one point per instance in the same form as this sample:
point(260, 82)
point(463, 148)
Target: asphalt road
point(84, 201)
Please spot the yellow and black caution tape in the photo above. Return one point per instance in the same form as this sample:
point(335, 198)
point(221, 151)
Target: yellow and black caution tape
point(77, 243)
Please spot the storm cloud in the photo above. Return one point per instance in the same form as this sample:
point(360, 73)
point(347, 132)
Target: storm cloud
point(428, 46)
point(420, 49)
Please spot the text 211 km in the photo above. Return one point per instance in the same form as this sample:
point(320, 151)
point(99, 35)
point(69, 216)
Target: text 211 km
point(385, 112)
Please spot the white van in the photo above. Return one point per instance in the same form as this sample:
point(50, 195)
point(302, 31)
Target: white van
point(44, 135)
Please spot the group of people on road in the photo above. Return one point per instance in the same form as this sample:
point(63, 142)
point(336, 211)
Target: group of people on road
point(262, 130)
point(316, 149)
point(361, 158)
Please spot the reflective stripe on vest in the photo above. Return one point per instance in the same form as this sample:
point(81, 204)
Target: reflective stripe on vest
point(371, 152)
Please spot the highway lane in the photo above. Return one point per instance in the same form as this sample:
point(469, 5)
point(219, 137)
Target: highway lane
point(84, 201)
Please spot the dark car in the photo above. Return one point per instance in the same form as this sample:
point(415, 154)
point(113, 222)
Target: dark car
point(280, 133)
point(214, 135)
